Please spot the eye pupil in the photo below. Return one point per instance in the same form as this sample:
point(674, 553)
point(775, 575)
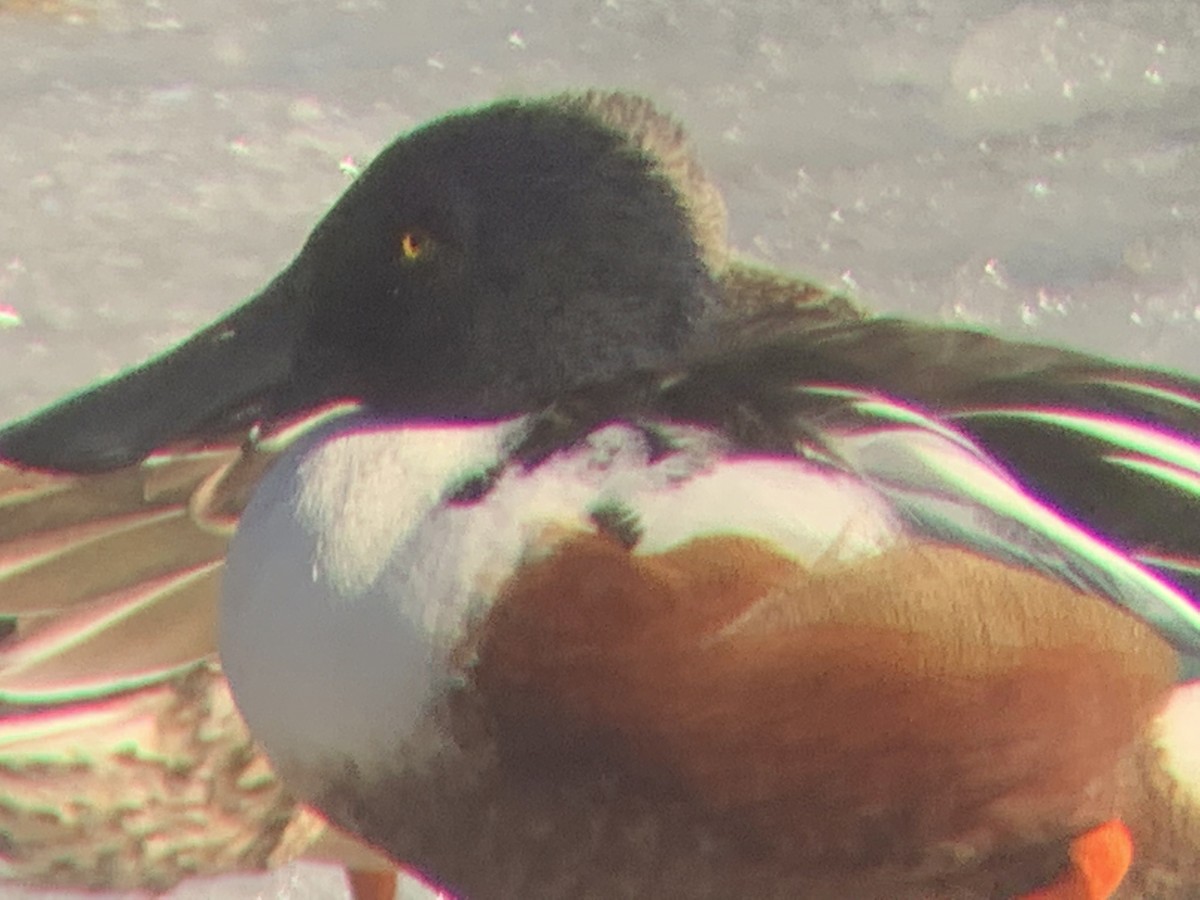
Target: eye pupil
point(414, 244)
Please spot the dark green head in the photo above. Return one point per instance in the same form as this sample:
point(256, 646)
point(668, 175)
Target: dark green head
point(481, 265)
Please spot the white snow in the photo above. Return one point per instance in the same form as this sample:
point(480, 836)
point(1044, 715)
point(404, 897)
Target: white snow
point(1034, 168)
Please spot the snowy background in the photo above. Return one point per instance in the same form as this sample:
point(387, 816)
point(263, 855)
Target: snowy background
point(1032, 168)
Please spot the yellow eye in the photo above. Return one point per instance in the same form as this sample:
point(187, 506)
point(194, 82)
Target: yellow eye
point(415, 244)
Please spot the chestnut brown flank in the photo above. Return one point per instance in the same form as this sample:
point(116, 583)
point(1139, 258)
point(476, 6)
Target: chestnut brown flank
point(923, 698)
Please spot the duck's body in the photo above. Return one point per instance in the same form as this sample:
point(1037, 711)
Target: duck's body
point(557, 615)
point(602, 596)
point(122, 761)
point(148, 788)
point(124, 764)
point(542, 708)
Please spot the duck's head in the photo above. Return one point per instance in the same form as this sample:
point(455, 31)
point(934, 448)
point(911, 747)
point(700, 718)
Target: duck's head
point(479, 266)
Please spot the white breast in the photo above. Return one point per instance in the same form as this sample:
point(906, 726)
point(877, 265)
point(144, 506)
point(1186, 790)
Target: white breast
point(353, 577)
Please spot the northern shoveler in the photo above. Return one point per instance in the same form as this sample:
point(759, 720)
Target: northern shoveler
point(123, 763)
point(604, 591)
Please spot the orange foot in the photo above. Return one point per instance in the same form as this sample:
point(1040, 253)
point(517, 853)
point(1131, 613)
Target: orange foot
point(1099, 860)
point(372, 884)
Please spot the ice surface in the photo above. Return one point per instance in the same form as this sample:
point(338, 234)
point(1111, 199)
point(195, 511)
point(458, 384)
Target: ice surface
point(1032, 168)
point(299, 881)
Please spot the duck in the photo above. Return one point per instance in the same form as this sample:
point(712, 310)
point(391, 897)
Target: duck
point(120, 768)
point(578, 584)
point(82, 683)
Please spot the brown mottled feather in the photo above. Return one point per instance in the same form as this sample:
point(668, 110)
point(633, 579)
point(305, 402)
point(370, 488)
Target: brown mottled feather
point(140, 791)
point(114, 578)
point(126, 765)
